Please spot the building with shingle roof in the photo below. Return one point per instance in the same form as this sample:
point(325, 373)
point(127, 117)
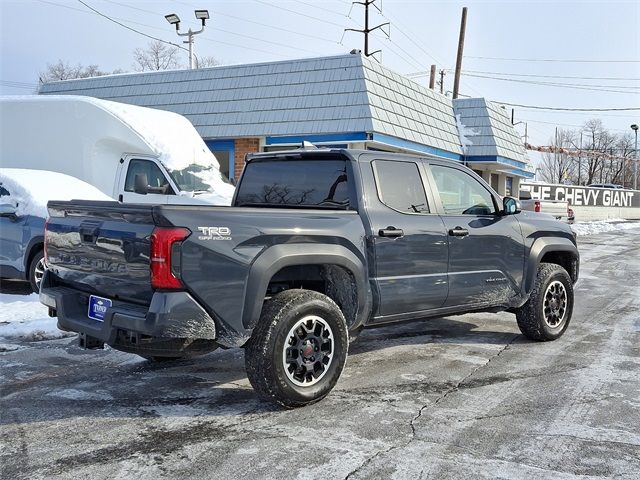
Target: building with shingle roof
point(340, 101)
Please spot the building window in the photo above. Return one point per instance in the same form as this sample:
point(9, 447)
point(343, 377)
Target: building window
point(225, 153)
point(509, 187)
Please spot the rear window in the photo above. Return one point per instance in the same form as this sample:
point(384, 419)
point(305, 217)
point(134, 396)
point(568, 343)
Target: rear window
point(295, 183)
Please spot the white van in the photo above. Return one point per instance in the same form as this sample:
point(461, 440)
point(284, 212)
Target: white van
point(132, 154)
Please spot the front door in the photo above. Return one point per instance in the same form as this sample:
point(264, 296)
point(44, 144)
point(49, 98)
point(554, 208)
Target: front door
point(159, 186)
point(486, 252)
point(408, 241)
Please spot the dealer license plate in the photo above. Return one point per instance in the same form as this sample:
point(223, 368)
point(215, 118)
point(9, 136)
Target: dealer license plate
point(98, 307)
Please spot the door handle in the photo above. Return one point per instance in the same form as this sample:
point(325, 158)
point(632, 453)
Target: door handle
point(458, 232)
point(391, 232)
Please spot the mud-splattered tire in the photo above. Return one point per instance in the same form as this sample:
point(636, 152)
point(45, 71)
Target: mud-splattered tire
point(547, 313)
point(298, 348)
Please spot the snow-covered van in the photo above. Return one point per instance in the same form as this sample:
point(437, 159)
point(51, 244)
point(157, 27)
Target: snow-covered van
point(132, 154)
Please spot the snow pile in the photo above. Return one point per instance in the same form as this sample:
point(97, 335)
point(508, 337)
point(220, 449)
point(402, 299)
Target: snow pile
point(464, 133)
point(24, 317)
point(601, 226)
point(30, 190)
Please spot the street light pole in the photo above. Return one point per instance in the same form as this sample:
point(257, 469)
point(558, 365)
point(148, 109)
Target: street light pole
point(173, 19)
point(634, 127)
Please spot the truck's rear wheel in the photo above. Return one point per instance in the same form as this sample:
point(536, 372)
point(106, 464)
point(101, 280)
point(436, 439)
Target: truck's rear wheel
point(298, 348)
point(547, 313)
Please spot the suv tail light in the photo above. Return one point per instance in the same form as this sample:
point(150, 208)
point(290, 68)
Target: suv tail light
point(162, 241)
point(536, 206)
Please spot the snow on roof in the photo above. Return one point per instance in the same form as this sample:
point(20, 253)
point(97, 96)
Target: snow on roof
point(169, 135)
point(30, 190)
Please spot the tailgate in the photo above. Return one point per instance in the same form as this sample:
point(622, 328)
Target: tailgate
point(101, 248)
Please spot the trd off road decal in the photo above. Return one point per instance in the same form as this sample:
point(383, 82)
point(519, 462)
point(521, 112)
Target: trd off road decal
point(215, 233)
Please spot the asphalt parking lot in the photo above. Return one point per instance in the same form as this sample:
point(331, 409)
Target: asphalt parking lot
point(457, 397)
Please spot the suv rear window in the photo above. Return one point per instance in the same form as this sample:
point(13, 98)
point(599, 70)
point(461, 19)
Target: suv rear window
point(294, 183)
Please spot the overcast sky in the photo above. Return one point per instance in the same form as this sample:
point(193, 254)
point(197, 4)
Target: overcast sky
point(36, 32)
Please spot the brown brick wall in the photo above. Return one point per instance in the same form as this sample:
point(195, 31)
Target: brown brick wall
point(244, 146)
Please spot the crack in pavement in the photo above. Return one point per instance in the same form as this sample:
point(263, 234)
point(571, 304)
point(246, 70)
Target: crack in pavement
point(422, 409)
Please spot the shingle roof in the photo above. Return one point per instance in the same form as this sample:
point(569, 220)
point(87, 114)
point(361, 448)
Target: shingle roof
point(495, 136)
point(315, 96)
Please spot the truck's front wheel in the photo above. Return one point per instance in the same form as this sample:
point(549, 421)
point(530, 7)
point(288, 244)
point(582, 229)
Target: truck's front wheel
point(547, 313)
point(298, 348)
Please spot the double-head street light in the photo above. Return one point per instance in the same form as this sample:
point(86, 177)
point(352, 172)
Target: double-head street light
point(173, 19)
point(634, 127)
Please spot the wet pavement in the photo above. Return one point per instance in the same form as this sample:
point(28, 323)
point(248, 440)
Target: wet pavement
point(457, 397)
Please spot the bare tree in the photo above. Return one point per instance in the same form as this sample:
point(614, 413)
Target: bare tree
point(157, 56)
point(206, 61)
point(62, 70)
point(558, 167)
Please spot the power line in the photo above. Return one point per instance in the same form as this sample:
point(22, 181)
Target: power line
point(531, 75)
point(130, 28)
point(262, 24)
point(566, 109)
point(551, 76)
point(552, 84)
point(551, 60)
point(280, 7)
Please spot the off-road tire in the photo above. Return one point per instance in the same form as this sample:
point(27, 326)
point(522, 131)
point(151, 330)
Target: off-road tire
point(264, 351)
point(531, 316)
point(35, 264)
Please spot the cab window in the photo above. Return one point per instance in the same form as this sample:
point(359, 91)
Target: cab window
point(158, 183)
point(400, 186)
point(460, 193)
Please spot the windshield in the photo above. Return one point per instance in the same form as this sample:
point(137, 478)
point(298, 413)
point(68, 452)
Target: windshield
point(197, 178)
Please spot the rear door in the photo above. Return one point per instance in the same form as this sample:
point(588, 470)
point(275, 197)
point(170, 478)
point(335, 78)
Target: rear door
point(486, 251)
point(407, 237)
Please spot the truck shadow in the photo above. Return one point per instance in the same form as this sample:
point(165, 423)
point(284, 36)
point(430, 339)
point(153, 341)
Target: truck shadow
point(15, 287)
point(57, 380)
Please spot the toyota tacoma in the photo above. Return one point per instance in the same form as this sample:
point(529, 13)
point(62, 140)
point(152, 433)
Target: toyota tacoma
point(316, 245)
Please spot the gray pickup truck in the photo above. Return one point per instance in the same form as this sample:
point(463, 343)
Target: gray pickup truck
point(317, 245)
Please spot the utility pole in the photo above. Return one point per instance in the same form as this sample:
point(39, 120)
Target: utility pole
point(580, 160)
point(366, 30)
point(463, 27)
point(441, 82)
point(634, 127)
point(432, 77)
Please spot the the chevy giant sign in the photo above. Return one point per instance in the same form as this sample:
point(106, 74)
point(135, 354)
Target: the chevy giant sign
point(584, 196)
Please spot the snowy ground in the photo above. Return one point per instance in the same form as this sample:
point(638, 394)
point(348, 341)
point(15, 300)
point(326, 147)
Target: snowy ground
point(450, 398)
point(601, 226)
point(23, 317)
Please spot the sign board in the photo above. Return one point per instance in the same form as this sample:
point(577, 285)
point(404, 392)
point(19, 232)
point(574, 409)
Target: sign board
point(584, 196)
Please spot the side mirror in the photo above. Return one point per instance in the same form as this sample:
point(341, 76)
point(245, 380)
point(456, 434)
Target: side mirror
point(141, 184)
point(8, 210)
point(511, 206)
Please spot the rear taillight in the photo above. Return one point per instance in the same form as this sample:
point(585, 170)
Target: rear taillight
point(162, 241)
point(46, 228)
point(536, 206)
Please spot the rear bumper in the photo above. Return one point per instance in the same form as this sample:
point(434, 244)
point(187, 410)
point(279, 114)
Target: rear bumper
point(171, 315)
